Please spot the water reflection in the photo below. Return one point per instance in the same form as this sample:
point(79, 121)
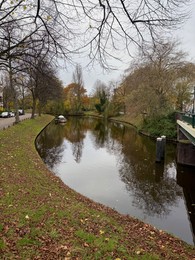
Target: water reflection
point(186, 179)
point(75, 134)
point(153, 197)
point(112, 164)
point(49, 144)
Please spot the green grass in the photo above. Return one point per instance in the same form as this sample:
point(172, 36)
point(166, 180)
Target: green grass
point(41, 218)
point(2, 244)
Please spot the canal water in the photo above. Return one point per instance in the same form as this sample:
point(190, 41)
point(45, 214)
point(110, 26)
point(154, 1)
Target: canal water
point(114, 165)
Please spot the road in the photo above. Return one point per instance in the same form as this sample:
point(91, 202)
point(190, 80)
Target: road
point(7, 122)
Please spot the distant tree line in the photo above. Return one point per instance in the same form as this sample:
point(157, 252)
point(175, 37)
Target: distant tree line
point(158, 83)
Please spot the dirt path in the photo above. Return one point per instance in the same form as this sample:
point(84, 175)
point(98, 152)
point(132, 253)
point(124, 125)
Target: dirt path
point(7, 122)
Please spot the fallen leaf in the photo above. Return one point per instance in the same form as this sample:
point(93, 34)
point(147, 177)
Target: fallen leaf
point(86, 245)
point(101, 232)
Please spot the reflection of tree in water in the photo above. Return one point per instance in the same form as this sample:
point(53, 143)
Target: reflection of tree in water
point(54, 156)
point(100, 134)
point(49, 144)
point(77, 148)
point(75, 133)
point(186, 179)
point(149, 195)
point(153, 185)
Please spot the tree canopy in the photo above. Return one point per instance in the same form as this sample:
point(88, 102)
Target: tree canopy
point(159, 81)
point(95, 27)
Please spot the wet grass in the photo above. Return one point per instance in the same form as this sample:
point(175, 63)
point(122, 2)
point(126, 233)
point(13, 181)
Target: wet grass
point(41, 218)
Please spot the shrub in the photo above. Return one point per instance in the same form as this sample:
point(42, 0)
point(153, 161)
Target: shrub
point(161, 125)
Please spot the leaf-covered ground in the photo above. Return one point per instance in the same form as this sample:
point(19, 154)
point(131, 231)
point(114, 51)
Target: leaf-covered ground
point(41, 218)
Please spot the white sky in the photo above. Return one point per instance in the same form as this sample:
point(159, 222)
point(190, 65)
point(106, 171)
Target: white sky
point(185, 34)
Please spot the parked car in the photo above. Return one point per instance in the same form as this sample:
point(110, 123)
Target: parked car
point(12, 114)
point(21, 112)
point(5, 114)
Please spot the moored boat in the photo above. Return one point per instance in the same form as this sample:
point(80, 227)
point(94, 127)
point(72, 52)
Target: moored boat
point(60, 119)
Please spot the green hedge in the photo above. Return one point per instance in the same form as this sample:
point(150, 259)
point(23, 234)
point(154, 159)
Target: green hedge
point(162, 125)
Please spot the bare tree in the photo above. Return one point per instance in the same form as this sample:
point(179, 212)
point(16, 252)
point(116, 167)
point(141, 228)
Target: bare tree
point(31, 18)
point(159, 81)
point(79, 90)
point(9, 64)
point(21, 88)
point(43, 83)
point(17, 60)
point(181, 95)
point(92, 26)
point(49, 86)
point(119, 97)
point(78, 76)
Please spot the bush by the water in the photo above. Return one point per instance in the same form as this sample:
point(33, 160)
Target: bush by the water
point(162, 125)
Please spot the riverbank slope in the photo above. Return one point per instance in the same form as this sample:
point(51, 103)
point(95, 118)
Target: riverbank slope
point(42, 218)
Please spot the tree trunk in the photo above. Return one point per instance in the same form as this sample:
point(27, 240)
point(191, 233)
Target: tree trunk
point(33, 106)
point(17, 119)
point(39, 108)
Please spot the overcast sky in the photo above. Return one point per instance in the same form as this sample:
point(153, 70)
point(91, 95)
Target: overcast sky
point(185, 34)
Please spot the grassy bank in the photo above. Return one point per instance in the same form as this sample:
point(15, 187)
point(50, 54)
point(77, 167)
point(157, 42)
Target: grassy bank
point(41, 218)
point(153, 127)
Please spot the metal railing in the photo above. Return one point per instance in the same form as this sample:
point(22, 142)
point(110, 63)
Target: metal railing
point(187, 117)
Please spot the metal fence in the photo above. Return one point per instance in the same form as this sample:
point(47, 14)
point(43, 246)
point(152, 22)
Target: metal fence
point(187, 117)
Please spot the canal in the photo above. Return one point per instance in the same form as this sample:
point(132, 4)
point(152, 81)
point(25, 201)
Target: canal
point(114, 165)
